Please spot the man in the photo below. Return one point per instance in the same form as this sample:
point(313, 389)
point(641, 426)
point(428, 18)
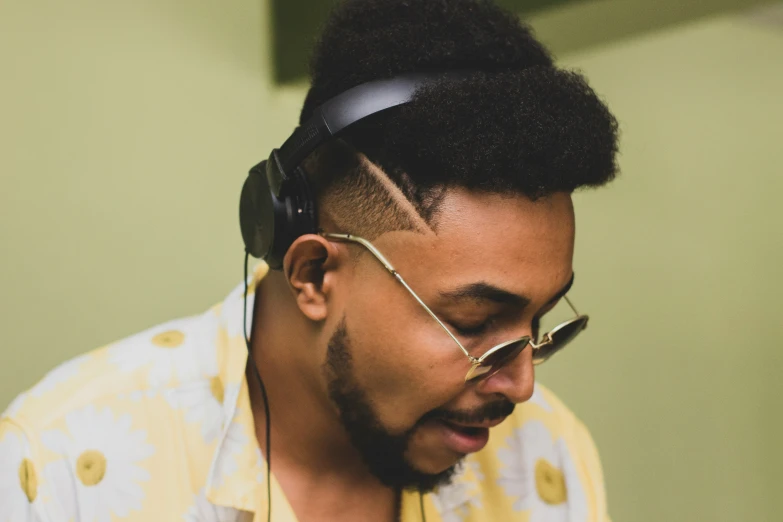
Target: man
point(395, 343)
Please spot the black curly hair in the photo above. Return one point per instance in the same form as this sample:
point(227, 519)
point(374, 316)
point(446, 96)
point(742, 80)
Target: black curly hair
point(516, 124)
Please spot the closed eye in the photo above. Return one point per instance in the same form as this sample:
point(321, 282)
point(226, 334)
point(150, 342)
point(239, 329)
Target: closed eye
point(481, 329)
point(471, 331)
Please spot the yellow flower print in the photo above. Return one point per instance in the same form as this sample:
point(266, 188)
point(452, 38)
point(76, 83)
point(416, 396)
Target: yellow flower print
point(183, 348)
point(168, 339)
point(540, 476)
point(550, 483)
point(457, 500)
point(205, 402)
point(28, 480)
point(18, 478)
point(91, 467)
point(106, 457)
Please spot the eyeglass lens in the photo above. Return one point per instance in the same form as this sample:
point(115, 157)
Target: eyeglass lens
point(497, 359)
point(560, 337)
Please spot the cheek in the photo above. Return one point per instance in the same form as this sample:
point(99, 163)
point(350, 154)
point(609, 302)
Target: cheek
point(406, 363)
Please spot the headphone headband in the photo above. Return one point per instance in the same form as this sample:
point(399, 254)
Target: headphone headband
point(276, 205)
point(351, 106)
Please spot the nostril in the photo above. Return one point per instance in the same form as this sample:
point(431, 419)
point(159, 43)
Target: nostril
point(515, 381)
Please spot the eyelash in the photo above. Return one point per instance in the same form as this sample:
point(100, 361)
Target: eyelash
point(480, 329)
point(471, 332)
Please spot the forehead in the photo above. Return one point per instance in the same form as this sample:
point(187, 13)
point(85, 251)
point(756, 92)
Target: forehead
point(509, 241)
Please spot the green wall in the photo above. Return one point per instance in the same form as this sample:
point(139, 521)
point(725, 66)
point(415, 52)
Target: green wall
point(679, 264)
point(127, 129)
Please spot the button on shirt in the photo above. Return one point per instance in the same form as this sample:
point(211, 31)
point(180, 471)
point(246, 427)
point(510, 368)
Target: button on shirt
point(158, 427)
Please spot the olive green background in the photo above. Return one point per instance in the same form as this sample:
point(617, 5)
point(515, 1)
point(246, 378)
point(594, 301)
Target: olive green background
point(126, 130)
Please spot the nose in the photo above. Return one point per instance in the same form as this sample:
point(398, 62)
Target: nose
point(515, 380)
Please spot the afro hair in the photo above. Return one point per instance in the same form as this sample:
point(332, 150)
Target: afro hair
point(515, 124)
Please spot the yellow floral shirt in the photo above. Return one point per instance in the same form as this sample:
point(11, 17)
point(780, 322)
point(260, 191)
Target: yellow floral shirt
point(158, 427)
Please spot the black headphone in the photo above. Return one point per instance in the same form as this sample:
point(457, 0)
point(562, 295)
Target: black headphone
point(277, 204)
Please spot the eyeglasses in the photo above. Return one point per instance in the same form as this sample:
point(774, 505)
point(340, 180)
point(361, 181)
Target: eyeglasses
point(496, 357)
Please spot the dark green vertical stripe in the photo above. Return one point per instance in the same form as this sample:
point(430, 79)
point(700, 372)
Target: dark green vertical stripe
point(296, 24)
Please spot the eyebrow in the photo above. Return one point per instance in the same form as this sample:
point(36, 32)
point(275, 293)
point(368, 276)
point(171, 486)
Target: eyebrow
point(482, 291)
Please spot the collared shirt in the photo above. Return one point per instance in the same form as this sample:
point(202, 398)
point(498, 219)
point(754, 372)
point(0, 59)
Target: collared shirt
point(158, 427)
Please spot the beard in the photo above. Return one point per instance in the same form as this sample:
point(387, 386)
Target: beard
point(381, 451)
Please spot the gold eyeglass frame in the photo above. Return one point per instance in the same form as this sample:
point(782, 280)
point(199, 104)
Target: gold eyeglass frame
point(475, 362)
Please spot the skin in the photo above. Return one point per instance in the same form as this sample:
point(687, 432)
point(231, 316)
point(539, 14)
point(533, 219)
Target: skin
point(402, 359)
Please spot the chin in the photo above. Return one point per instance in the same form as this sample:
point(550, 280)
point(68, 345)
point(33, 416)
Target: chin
point(431, 474)
point(434, 463)
point(428, 454)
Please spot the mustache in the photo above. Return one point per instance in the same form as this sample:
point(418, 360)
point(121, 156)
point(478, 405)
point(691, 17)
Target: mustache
point(488, 412)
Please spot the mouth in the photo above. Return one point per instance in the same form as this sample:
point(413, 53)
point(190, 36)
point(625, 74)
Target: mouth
point(466, 438)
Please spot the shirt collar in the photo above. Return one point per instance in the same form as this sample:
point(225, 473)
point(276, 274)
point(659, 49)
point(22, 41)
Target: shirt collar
point(237, 476)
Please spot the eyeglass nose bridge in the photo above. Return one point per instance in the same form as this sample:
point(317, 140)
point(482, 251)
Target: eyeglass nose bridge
point(545, 341)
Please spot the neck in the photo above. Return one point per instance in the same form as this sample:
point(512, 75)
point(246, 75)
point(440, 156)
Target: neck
point(312, 456)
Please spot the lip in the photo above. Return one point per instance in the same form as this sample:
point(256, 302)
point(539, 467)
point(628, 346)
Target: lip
point(463, 443)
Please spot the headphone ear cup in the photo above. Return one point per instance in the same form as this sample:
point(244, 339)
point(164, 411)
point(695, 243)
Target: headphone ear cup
point(294, 214)
point(306, 216)
point(256, 212)
point(270, 224)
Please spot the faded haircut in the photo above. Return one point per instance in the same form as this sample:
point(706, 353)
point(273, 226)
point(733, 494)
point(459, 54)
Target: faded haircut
point(357, 197)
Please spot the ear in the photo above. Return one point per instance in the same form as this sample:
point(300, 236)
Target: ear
point(309, 265)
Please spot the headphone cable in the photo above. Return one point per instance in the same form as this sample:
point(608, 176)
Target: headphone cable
point(265, 397)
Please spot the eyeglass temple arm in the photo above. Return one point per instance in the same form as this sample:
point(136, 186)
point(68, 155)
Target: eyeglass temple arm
point(388, 266)
point(570, 304)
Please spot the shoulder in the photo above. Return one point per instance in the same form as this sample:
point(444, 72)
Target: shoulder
point(166, 356)
point(114, 408)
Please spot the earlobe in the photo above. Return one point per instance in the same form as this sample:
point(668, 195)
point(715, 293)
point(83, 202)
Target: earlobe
point(307, 265)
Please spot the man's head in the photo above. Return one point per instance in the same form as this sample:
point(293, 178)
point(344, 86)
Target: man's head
point(467, 191)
